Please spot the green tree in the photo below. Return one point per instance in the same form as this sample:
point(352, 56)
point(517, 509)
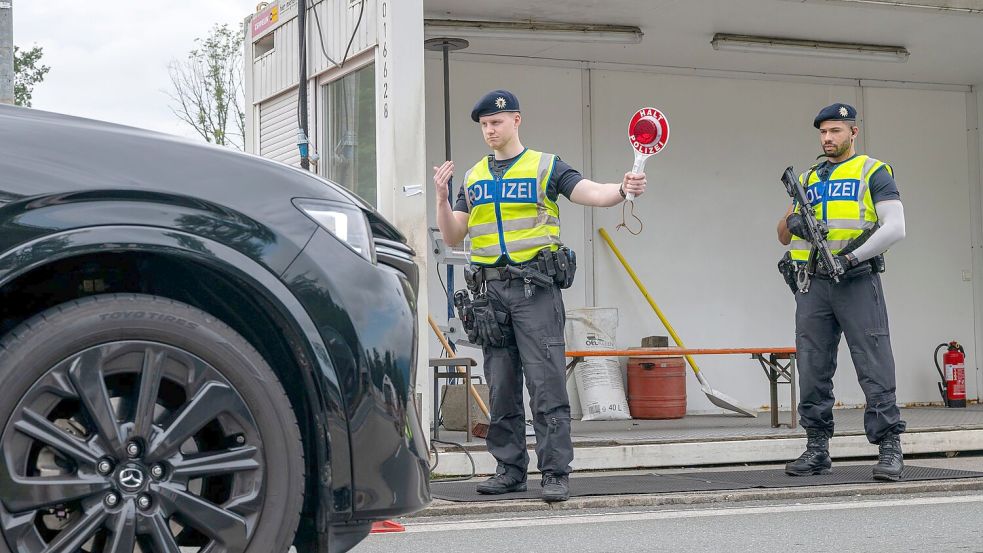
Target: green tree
point(28, 72)
point(207, 89)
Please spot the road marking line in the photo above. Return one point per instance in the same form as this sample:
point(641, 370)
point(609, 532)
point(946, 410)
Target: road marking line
point(596, 518)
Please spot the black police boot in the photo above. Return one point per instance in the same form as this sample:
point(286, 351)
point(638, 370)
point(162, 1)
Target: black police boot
point(815, 459)
point(555, 487)
point(890, 460)
point(502, 483)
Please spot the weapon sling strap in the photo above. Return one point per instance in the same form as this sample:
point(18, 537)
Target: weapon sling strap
point(812, 263)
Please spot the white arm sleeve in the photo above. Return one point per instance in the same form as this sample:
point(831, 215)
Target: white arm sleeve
point(891, 216)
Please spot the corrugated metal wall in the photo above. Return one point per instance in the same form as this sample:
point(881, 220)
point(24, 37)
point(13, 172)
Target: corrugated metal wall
point(338, 19)
point(278, 129)
point(277, 71)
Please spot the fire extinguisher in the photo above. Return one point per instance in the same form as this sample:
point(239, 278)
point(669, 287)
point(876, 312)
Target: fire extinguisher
point(954, 375)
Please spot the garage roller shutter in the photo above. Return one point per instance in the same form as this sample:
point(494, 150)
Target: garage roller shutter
point(278, 129)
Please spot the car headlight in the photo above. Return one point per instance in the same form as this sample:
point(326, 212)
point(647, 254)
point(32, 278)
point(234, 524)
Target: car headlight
point(346, 222)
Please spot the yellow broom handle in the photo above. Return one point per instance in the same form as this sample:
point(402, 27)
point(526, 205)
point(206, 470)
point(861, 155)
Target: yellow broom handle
point(641, 287)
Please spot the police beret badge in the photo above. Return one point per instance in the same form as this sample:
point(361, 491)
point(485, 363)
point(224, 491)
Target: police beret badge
point(835, 112)
point(494, 102)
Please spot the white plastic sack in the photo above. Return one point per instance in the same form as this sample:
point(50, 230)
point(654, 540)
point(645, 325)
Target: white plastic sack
point(576, 412)
point(599, 381)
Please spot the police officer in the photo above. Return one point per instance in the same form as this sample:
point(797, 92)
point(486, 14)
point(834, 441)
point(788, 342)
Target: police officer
point(508, 205)
point(855, 195)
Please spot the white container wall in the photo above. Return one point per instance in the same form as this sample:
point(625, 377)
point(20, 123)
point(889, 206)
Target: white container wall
point(709, 248)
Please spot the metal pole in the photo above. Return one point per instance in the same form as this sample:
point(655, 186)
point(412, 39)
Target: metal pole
point(447, 104)
point(445, 45)
point(302, 86)
point(450, 182)
point(6, 52)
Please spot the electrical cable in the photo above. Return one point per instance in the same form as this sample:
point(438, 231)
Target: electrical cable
point(354, 32)
point(438, 420)
point(442, 285)
point(437, 461)
point(351, 40)
point(444, 352)
point(320, 37)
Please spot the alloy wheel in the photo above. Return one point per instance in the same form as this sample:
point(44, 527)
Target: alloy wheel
point(131, 446)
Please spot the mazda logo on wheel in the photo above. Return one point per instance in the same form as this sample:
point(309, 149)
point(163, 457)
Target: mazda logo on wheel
point(131, 478)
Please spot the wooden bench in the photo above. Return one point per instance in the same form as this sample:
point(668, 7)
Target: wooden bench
point(778, 365)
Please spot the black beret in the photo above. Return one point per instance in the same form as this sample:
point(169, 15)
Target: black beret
point(495, 101)
point(836, 112)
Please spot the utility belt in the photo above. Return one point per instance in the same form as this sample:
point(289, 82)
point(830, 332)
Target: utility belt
point(873, 265)
point(487, 326)
point(791, 270)
point(548, 268)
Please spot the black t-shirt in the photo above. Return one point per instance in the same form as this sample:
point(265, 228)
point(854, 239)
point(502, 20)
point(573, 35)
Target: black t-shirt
point(562, 181)
point(882, 184)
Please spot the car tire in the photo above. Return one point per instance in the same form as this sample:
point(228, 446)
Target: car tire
point(214, 458)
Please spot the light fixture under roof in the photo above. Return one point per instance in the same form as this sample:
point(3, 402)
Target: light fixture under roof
point(533, 30)
point(971, 7)
point(813, 48)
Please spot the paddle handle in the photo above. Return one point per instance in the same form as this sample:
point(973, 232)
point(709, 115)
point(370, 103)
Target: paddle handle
point(637, 167)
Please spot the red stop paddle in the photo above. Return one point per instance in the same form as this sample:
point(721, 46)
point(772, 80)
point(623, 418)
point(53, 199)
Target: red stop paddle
point(648, 133)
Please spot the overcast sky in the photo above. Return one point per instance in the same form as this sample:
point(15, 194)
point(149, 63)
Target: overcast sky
point(109, 59)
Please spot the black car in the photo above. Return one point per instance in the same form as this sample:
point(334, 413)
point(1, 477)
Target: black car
point(200, 350)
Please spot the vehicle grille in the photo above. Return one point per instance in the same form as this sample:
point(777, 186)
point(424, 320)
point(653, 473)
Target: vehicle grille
point(399, 256)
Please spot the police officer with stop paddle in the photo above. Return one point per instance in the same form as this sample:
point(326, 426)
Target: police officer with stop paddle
point(508, 206)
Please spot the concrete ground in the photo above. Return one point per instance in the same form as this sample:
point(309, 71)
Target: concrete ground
point(701, 440)
point(968, 461)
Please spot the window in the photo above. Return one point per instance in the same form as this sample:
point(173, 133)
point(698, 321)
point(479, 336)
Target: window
point(348, 154)
point(264, 45)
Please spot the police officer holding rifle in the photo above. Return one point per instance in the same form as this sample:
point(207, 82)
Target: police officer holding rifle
point(846, 212)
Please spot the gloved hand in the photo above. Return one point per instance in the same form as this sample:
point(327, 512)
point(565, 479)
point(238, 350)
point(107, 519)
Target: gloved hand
point(848, 261)
point(797, 225)
point(489, 332)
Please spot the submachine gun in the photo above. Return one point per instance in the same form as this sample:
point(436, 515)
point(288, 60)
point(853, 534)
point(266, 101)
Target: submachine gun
point(817, 231)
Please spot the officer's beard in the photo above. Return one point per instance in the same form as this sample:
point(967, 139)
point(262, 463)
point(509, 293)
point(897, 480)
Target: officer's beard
point(839, 151)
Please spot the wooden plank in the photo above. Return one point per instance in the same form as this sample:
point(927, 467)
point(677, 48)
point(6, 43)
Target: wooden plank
point(675, 352)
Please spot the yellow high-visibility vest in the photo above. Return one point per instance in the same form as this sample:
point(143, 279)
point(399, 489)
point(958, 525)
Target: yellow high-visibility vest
point(842, 201)
point(512, 218)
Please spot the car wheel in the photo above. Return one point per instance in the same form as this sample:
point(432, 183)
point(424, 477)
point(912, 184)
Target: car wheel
point(133, 423)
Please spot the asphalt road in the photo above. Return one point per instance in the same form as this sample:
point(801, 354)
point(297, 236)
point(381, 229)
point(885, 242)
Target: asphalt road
point(892, 524)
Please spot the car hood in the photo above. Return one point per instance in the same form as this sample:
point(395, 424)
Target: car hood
point(61, 153)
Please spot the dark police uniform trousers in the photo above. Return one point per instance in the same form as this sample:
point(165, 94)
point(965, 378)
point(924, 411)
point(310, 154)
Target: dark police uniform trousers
point(537, 350)
point(855, 307)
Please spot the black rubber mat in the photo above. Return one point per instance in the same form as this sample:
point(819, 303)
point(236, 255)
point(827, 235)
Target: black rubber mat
point(851, 474)
point(581, 486)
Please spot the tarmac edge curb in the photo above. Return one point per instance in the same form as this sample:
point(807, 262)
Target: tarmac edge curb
point(451, 508)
